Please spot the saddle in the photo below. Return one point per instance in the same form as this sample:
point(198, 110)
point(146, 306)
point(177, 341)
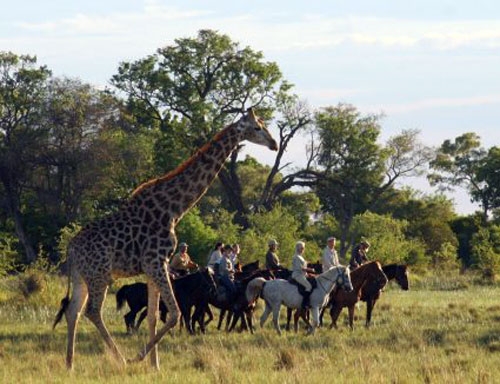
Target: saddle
point(301, 288)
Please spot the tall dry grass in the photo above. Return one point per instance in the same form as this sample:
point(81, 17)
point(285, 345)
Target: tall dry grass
point(437, 332)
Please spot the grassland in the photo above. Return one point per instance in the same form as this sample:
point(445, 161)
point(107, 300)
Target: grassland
point(442, 330)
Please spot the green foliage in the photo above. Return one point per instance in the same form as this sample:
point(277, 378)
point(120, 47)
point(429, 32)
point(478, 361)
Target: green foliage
point(9, 258)
point(386, 237)
point(66, 234)
point(463, 162)
point(446, 257)
point(197, 234)
point(485, 250)
point(277, 224)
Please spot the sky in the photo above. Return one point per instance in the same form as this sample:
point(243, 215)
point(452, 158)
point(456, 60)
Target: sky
point(431, 65)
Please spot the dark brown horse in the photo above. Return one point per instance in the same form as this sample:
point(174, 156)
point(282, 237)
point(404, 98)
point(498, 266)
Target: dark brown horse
point(371, 293)
point(367, 275)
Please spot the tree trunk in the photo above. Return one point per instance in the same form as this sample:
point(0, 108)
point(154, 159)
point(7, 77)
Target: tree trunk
point(15, 214)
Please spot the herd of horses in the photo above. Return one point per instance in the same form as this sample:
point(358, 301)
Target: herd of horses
point(334, 290)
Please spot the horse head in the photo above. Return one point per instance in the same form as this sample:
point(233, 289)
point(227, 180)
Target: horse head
point(402, 277)
point(344, 279)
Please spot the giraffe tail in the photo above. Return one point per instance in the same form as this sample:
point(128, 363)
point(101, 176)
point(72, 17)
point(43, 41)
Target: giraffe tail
point(65, 301)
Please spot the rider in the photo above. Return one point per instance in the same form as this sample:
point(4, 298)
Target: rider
point(329, 257)
point(226, 272)
point(358, 255)
point(272, 260)
point(181, 262)
point(300, 270)
point(215, 255)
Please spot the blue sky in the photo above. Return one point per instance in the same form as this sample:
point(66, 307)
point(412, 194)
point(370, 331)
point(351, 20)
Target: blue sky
point(427, 65)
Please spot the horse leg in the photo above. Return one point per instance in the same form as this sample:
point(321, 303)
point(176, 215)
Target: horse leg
point(288, 318)
point(142, 316)
point(222, 313)
point(276, 318)
point(265, 315)
point(78, 299)
point(370, 304)
point(296, 316)
point(230, 316)
point(334, 314)
point(129, 318)
point(351, 309)
point(210, 315)
point(315, 322)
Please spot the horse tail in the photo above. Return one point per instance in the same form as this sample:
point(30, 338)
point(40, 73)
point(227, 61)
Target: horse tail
point(254, 288)
point(121, 296)
point(65, 301)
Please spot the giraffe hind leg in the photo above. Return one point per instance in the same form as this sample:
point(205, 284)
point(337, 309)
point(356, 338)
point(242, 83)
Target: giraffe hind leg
point(97, 293)
point(78, 299)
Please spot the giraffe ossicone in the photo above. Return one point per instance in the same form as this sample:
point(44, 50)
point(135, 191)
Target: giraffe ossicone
point(138, 238)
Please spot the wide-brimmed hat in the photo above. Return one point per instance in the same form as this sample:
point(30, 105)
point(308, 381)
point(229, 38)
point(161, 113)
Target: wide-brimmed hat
point(272, 242)
point(183, 245)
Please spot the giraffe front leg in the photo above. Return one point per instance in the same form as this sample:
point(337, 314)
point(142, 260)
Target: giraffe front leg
point(161, 280)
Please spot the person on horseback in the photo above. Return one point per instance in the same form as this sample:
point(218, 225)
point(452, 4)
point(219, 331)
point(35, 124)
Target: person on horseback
point(329, 257)
point(226, 272)
point(215, 255)
point(234, 255)
point(181, 263)
point(272, 259)
point(300, 271)
point(358, 255)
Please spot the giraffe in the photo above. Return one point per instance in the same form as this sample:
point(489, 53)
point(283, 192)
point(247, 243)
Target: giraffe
point(138, 238)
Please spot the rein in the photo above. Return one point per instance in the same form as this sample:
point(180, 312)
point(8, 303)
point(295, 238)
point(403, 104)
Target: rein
point(331, 281)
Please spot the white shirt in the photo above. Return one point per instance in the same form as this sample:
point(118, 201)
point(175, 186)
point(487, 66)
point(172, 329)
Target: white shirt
point(329, 258)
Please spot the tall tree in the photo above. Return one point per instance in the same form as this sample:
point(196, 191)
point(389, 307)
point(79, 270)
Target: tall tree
point(22, 92)
point(359, 173)
point(192, 89)
point(463, 163)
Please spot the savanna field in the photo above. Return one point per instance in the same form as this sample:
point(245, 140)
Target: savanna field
point(444, 329)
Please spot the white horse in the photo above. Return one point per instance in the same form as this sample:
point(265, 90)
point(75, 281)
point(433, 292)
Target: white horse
point(279, 291)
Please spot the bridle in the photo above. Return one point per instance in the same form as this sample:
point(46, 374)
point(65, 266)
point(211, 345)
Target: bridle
point(339, 280)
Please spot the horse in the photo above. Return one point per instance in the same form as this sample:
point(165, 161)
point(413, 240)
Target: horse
point(136, 296)
point(318, 268)
point(370, 293)
point(220, 301)
point(368, 274)
point(245, 309)
point(191, 290)
point(277, 292)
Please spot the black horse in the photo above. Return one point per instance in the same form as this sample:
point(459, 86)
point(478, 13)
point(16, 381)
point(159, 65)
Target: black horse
point(221, 301)
point(192, 290)
point(370, 293)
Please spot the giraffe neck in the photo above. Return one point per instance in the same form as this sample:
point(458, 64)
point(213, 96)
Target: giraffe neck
point(184, 186)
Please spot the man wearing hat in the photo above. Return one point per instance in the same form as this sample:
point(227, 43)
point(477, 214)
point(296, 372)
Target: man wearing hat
point(272, 259)
point(329, 257)
point(181, 262)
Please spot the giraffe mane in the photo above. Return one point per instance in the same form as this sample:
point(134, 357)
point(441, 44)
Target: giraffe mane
point(170, 175)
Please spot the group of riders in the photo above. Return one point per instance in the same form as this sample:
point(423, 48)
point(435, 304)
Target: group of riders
point(223, 260)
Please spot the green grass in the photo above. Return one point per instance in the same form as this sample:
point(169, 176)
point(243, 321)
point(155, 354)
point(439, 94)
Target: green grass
point(434, 333)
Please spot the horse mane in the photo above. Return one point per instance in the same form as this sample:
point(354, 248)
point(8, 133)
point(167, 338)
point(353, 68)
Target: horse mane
point(181, 168)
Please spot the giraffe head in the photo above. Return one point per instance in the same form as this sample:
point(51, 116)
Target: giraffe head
point(253, 129)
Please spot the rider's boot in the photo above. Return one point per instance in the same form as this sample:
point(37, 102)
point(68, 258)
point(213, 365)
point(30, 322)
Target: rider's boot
point(305, 300)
